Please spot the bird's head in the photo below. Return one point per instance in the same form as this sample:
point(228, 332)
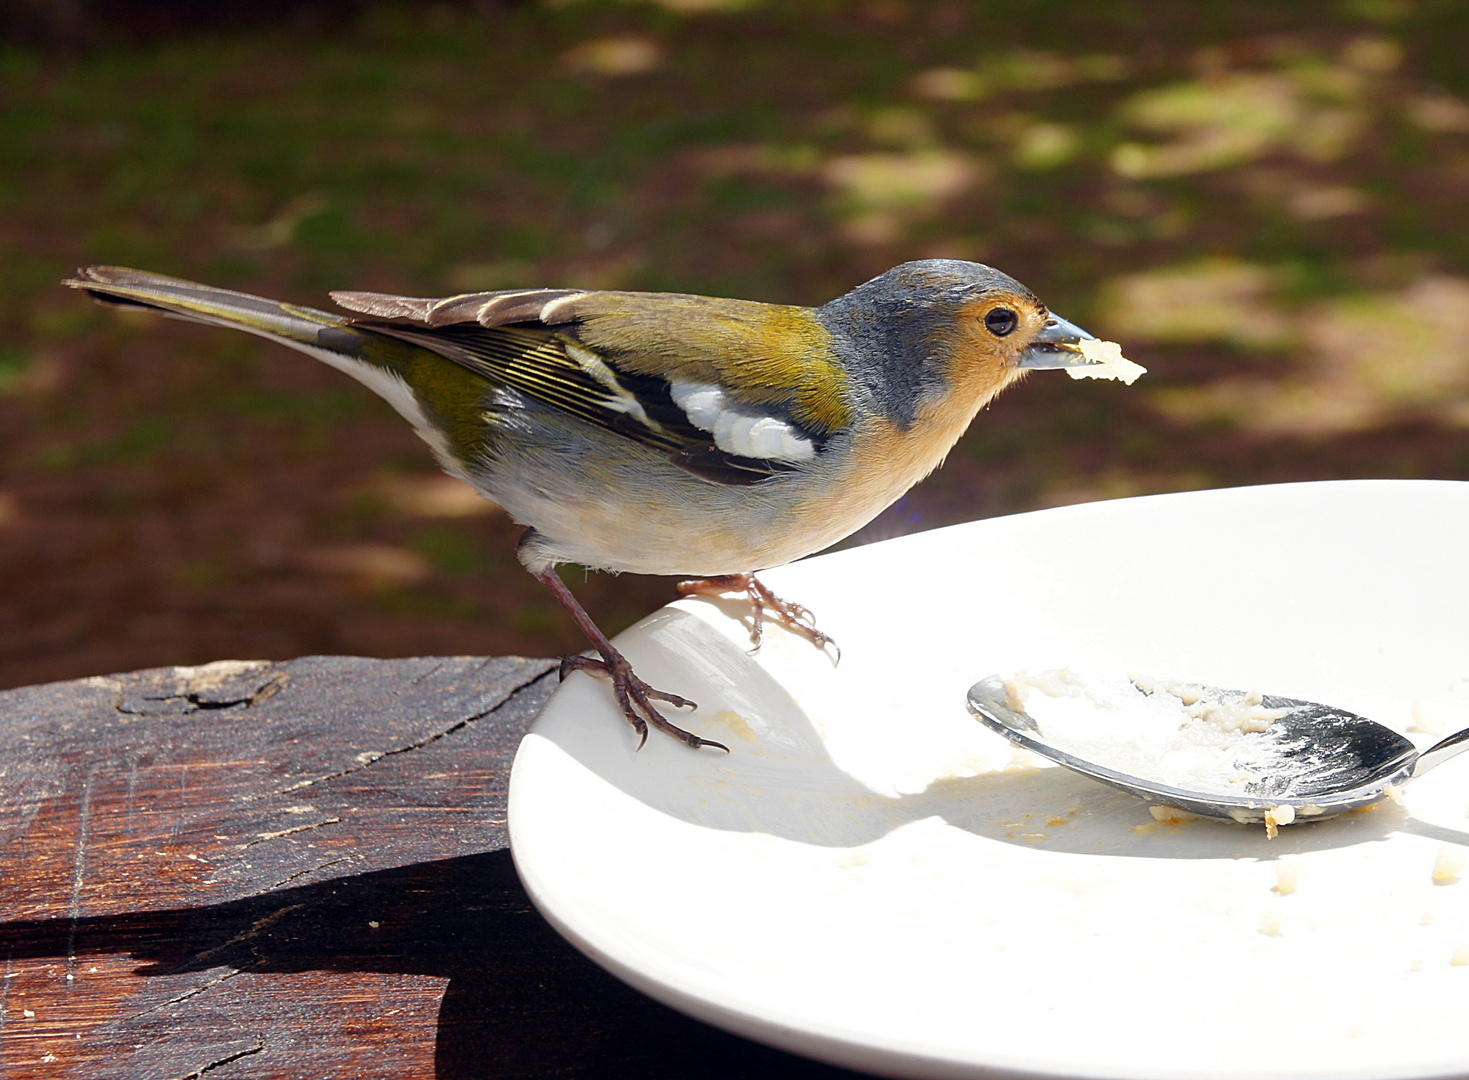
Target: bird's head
point(944, 331)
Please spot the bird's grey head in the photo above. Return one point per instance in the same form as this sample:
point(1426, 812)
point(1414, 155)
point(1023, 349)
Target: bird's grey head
point(894, 333)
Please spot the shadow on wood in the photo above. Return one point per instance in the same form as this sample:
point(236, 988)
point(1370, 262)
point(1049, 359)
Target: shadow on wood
point(519, 1000)
point(254, 869)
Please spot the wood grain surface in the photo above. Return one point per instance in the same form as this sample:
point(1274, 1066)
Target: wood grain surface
point(298, 869)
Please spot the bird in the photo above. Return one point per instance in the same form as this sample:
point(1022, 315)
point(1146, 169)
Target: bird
point(667, 433)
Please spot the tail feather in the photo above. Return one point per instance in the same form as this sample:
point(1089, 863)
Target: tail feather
point(385, 365)
point(122, 287)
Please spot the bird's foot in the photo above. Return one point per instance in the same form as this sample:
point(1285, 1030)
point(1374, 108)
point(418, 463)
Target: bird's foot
point(635, 698)
point(792, 615)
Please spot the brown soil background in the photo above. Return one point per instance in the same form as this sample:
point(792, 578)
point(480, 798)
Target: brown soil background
point(1264, 203)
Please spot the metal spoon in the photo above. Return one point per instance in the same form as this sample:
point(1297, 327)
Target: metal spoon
point(1318, 760)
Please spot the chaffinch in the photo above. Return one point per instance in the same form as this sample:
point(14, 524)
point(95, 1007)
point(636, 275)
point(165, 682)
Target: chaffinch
point(660, 433)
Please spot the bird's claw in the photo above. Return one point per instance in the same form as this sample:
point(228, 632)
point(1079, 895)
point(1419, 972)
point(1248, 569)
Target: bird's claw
point(635, 697)
point(794, 616)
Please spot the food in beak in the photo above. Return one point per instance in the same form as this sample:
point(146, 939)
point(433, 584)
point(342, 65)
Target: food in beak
point(1107, 362)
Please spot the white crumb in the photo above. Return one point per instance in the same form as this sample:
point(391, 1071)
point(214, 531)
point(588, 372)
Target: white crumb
point(1448, 866)
point(1107, 362)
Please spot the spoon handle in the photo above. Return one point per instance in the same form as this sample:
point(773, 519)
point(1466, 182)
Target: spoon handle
point(1441, 751)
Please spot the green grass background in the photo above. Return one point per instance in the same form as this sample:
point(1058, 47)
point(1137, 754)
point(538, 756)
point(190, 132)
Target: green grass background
point(1265, 203)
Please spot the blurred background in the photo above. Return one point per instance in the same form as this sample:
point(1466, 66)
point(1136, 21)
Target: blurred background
point(1267, 204)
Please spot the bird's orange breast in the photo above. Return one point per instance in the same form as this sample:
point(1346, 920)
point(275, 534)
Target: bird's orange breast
point(886, 460)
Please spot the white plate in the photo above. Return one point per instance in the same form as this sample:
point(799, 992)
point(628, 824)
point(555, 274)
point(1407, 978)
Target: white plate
point(872, 879)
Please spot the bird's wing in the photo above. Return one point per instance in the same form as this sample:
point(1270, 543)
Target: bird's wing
point(733, 391)
point(488, 309)
point(557, 370)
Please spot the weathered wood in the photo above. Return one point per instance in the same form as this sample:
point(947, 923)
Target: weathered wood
point(298, 869)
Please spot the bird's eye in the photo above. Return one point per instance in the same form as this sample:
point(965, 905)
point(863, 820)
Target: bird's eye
point(1000, 321)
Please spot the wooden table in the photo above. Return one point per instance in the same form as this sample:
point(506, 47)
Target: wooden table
point(298, 869)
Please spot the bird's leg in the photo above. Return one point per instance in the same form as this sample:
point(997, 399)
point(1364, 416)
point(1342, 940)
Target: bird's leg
point(793, 615)
point(634, 696)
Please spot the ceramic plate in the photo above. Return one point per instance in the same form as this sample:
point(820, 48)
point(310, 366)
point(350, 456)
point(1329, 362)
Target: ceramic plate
point(871, 878)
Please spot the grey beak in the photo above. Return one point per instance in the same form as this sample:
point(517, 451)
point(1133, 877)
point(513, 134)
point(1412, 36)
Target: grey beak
point(1055, 346)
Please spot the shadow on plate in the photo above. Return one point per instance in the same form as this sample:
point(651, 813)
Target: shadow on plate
point(780, 778)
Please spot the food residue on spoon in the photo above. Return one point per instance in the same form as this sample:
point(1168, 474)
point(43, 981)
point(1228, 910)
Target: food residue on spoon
point(1169, 732)
point(1171, 815)
point(1277, 816)
point(1245, 715)
point(1107, 362)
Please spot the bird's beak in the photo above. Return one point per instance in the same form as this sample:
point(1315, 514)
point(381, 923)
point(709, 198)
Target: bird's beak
point(1056, 346)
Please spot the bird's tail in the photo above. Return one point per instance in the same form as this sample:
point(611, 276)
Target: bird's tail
point(384, 364)
point(300, 327)
point(393, 369)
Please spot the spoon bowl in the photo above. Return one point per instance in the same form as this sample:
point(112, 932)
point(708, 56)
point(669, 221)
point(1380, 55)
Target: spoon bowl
point(1318, 760)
